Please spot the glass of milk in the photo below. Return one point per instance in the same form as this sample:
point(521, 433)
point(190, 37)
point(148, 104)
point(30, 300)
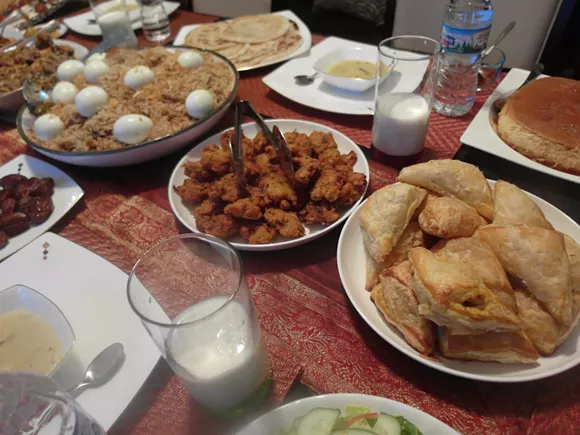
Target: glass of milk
point(192, 297)
point(406, 76)
point(113, 18)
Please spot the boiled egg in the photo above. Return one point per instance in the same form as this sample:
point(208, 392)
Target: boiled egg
point(96, 56)
point(132, 129)
point(48, 127)
point(138, 77)
point(94, 70)
point(69, 69)
point(190, 60)
point(89, 100)
point(199, 104)
point(64, 92)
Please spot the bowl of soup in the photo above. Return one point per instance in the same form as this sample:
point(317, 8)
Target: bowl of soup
point(351, 68)
point(34, 333)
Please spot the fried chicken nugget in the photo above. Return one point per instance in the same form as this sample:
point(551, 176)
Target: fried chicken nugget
point(299, 144)
point(216, 160)
point(318, 213)
point(322, 142)
point(286, 223)
point(196, 171)
point(306, 170)
point(257, 233)
point(278, 191)
point(328, 185)
point(220, 225)
point(192, 191)
point(244, 209)
point(353, 189)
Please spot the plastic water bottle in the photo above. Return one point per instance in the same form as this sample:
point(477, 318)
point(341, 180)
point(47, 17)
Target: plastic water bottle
point(466, 27)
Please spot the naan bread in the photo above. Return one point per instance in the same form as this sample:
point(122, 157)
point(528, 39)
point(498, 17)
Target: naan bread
point(395, 299)
point(539, 325)
point(450, 296)
point(255, 28)
point(412, 237)
point(513, 207)
point(447, 217)
point(538, 258)
point(479, 261)
point(503, 347)
point(385, 215)
point(208, 36)
point(452, 178)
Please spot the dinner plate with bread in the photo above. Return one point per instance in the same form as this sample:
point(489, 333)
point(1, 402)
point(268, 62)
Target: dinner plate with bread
point(538, 127)
point(473, 277)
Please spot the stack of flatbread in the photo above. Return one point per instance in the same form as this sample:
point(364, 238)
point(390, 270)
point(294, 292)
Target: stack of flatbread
point(481, 275)
point(248, 41)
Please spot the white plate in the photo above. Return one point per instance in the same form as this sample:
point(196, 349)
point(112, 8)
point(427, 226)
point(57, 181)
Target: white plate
point(481, 135)
point(345, 145)
point(66, 195)
point(283, 417)
point(12, 32)
point(302, 29)
point(80, 23)
point(90, 291)
point(351, 266)
point(320, 95)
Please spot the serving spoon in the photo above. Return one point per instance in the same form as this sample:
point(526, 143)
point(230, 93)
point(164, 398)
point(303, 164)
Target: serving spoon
point(498, 104)
point(102, 368)
point(304, 80)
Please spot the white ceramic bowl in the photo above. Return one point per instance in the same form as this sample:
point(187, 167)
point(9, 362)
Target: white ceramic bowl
point(140, 153)
point(347, 53)
point(21, 297)
point(12, 101)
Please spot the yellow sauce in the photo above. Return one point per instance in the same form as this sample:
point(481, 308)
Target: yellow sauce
point(356, 69)
point(127, 7)
point(28, 342)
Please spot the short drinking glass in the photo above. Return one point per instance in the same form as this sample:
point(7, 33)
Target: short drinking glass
point(403, 97)
point(489, 69)
point(113, 18)
point(192, 297)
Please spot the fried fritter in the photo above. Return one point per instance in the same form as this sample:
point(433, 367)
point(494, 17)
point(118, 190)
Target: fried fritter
point(353, 189)
point(196, 171)
point(322, 142)
point(342, 162)
point(286, 223)
point(227, 189)
point(257, 233)
point(192, 191)
point(277, 190)
point(260, 142)
point(216, 160)
point(220, 225)
point(208, 208)
point(328, 185)
point(244, 209)
point(299, 144)
point(318, 213)
point(306, 169)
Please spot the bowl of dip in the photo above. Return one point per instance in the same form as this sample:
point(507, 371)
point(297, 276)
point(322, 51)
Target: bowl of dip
point(350, 68)
point(34, 333)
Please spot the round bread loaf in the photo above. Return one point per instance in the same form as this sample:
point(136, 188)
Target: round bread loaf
point(542, 122)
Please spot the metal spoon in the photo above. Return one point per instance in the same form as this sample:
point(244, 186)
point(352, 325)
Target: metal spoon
point(36, 92)
point(102, 368)
point(304, 80)
point(499, 38)
point(498, 104)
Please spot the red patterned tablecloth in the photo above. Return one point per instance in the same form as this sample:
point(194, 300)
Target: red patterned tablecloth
point(312, 332)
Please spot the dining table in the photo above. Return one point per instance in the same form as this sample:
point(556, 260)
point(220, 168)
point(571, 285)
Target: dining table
point(317, 342)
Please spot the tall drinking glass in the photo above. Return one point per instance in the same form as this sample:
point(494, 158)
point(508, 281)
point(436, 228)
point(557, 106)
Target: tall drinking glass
point(192, 297)
point(403, 97)
point(113, 18)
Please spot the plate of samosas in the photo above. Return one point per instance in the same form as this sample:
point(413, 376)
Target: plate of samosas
point(472, 277)
point(273, 213)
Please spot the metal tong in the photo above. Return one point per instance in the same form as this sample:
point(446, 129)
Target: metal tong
point(275, 137)
point(49, 27)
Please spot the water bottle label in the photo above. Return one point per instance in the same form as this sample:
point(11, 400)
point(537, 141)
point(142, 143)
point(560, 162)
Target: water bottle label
point(464, 40)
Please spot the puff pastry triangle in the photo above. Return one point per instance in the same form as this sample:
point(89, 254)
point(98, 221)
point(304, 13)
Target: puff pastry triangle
point(447, 217)
point(513, 207)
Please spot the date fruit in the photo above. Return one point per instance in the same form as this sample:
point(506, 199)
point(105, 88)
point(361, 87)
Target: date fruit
point(14, 223)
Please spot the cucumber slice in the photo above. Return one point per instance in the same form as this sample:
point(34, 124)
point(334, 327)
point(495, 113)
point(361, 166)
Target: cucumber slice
point(351, 431)
point(387, 425)
point(319, 421)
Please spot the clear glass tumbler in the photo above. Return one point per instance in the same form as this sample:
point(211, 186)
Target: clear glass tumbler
point(33, 404)
point(192, 297)
point(116, 26)
point(490, 68)
point(403, 97)
point(156, 26)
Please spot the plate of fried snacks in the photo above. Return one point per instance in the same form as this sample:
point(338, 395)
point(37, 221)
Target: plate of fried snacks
point(128, 106)
point(473, 277)
point(253, 41)
point(331, 178)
